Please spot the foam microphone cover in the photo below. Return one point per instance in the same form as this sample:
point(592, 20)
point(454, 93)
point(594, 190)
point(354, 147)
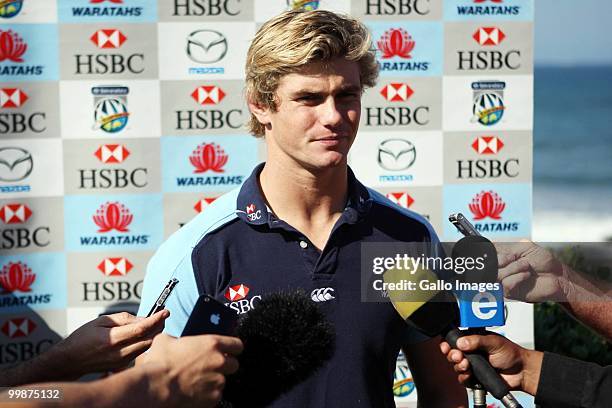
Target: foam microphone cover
point(286, 339)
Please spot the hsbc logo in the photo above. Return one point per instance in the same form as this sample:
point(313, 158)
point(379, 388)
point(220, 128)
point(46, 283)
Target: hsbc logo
point(253, 214)
point(202, 204)
point(487, 145)
point(238, 302)
point(18, 327)
point(208, 95)
point(488, 168)
point(15, 213)
point(108, 38)
point(112, 153)
point(108, 63)
point(12, 98)
point(208, 119)
point(16, 277)
point(115, 266)
point(236, 292)
point(396, 92)
point(397, 7)
point(403, 199)
point(184, 8)
point(489, 36)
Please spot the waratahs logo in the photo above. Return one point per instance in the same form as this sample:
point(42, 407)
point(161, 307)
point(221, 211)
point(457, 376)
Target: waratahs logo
point(110, 108)
point(16, 277)
point(10, 8)
point(12, 46)
point(396, 42)
point(490, 205)
point(113, 221)
point(113, 216)
point(397, 50)
point(208, 157)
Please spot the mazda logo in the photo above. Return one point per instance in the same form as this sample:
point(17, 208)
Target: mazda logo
point(206, 46)
point(15, 164)
point(396, 154)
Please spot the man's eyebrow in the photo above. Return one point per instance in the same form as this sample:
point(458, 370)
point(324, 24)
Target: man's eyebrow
point(309, 91)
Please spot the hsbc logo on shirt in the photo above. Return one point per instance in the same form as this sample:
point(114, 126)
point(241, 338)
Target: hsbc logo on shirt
point(253, 214)
point(237, 296)
point(18, 327)
point(210, 117)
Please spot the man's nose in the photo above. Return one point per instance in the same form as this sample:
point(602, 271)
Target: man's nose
point(330, 113)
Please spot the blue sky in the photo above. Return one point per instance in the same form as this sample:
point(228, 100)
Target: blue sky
point(573, 32)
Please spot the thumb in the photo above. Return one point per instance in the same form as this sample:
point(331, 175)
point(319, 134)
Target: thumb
point(488, 343)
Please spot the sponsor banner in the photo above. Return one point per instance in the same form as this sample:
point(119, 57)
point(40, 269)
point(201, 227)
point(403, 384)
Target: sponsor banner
point(504, 48)
point(205, 10)
point(31, 168)
point(103, 109)
point(266, 9)
point(408, 49)
point(31, 225)
point(487, 103)
point(204, 51)
point(180, 208)
point(32, 281)
point(84, 11)
point(107, 51)
point(426, 201)
point(28, 52)
point(29, 110)
point(112, 166)
point(488, 10)
point(194, 107)
point(497, 210)
point(207, 164)
point(28, 11)
point(113, 222)
point(393, 10)
point(477, 157)
point(398, 159)
point(25, 334)
point(104, 279)
point(403, 103)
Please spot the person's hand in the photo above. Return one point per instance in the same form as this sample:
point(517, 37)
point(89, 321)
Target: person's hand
point(519, 367)
point(109, 342)
point(195, 367)
point(530, 273)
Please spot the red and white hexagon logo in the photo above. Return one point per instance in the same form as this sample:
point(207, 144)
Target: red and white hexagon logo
point(236, 292)
point(403, 199)
point(396, 92)
point(12, 98)
point(15, 213)
point(487, 145)
point(115, 266)
point(489, 36)
point(108, 38)
point(112, 153)
point(208, 95)
point(18, 327)
point(203, 203)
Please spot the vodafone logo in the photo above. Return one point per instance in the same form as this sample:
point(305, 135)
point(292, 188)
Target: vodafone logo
point(487, 204)
point(236, 292)
point(115, 266)
point(487, 145)
point(489, 36)
point(403, 199)
point(208, 95)
point(203, 203)
point(18, 327)
point(108, 38)
point(12, 97)
point(15, 213)
point(112, 153)
point(396, 92)
point(113, 216)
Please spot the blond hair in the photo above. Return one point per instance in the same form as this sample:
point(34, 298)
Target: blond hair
point(295, 38)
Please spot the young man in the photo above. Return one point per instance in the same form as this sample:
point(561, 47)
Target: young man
point(300, 219)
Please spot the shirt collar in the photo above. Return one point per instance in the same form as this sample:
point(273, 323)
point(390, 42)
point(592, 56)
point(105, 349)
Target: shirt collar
point(251, 206)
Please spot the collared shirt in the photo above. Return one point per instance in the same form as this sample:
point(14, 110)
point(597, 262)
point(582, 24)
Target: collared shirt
point(237, 250)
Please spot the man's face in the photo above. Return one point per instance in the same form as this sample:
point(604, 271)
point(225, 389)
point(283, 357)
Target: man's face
point(317, 115)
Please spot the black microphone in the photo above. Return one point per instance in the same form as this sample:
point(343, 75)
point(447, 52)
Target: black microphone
point(286, 339)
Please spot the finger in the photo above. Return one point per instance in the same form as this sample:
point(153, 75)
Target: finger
point(489, 343)
point(230, 366)
point(513, 283)
point(455, 356)
point(520, 265)
point(508, 252)
point(229, 345)
point(143, 328)
point(462, 366)
point(119, 319)
point(464, 378)
point(133, 350)
point(445, 347)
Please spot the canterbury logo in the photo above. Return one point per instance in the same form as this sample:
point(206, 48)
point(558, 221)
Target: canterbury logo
point(322, 294)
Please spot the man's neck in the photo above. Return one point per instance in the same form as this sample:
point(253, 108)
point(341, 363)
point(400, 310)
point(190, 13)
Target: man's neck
point(311, 202)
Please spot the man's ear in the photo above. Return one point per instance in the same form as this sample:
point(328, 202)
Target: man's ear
point(261, 112)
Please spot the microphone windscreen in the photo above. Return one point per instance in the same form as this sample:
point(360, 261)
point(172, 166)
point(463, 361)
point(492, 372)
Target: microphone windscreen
point(286, 338)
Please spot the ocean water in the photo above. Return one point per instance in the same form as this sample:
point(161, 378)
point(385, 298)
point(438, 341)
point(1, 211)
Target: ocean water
point(573, 154)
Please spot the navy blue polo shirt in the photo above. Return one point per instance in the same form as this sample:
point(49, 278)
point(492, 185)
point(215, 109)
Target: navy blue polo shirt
point(237, 250)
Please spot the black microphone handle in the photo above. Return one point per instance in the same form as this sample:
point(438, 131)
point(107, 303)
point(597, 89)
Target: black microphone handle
point(484, 372)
